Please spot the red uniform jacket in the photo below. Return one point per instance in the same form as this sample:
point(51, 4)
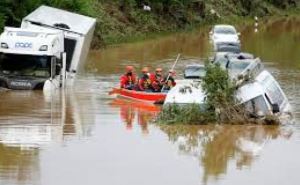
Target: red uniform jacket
point(128, 81)
point(145, 82)
point(157, 83)
point(170, 83)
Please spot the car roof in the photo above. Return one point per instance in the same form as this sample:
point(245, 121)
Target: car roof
point(224, 26)
point(250, 91)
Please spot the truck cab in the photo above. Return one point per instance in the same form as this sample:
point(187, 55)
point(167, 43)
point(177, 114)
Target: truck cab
point(28, 58)
point(49, 43)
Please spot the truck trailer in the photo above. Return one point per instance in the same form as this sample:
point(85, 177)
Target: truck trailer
point(51, 45)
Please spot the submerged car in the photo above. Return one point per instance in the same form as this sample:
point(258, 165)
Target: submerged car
point(239, 65)
point(224, 34)
point(257, 90)
point(194, 71)
point(260, 97)
point(227, 47)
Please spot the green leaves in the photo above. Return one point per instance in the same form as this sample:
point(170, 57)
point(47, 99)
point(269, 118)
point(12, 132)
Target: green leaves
point(191, 114)
point(12, 11)
point(218, 87)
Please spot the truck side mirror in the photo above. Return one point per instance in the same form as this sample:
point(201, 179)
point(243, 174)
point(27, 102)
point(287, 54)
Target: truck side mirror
point(275, 108)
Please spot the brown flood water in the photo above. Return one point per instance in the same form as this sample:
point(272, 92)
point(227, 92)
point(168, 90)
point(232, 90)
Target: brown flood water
point(83, 136)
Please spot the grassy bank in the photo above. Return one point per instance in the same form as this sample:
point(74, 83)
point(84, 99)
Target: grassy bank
point(126, 20)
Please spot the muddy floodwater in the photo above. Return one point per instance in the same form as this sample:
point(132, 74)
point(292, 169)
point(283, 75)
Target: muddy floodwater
point(84, 136)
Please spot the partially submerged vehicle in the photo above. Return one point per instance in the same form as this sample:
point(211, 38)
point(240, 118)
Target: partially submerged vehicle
point(244, 69)
point(239, 65)
point(224, 34)
point(257, 91)
point(51, 42)
point(78, 32)
point(227, 47)
point(28, 58)
point(263, 96)
point(194, 71)
point(223, 58)
point(186, 91)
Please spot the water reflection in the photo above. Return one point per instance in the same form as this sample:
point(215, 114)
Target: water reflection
point(217, 146)
point(31, 120)
point(136, 112)
point(18, 166)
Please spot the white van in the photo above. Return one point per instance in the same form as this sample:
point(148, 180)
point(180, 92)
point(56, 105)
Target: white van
point(263, 96)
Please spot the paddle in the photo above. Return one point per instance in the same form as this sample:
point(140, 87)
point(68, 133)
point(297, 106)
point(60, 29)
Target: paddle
point(178, 56)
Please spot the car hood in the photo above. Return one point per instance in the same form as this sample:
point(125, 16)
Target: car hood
point(185, 94)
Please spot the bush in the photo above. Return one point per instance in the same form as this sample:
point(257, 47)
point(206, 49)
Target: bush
point(220, 104)
point(185, 114)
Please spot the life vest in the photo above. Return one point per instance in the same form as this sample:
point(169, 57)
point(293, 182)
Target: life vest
point(130, 81)
point(157, 83)
point(144, 83)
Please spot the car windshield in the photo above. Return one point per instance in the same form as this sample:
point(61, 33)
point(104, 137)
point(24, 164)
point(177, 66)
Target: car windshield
point(257, 105)
point(25, 65)
point(225, 30)
point(240, 56)
point(221, 60)
point(228, 48)
point(236, 67)
point(194, 72)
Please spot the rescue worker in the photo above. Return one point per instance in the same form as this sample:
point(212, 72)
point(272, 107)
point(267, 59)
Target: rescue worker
point(129, 79)
point(169, 81)
point(144, 83)
point(157, 80)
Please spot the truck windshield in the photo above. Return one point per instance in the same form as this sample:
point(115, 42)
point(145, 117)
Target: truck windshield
point(25, 65)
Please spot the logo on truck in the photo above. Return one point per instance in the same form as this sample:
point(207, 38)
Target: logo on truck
point(20, 84)
point(23, 45)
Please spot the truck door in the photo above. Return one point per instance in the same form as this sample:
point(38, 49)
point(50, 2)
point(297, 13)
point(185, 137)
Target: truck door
point(70, 45)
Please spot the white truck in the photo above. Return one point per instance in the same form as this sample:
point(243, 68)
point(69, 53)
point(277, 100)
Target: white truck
point(51, 46)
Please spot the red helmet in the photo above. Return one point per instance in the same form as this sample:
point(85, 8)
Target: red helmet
point(129, 68)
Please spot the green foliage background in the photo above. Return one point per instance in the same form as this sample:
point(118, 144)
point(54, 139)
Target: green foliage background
point(122, 20)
